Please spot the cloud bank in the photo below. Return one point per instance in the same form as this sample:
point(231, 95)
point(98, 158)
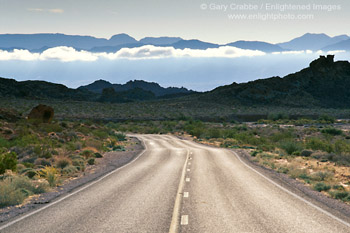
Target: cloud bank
point(69, 54)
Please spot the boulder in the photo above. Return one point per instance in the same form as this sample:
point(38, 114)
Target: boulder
point(42, 113)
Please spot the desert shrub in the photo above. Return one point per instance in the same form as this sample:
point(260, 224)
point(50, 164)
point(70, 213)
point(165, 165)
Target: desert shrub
point(4, 143)
point(254, 153)
point(98, 155)
point(282, 136)
point(9, 195)
point(87, 153)
point(306, 153)
point(29, 172)
point(284, 170)
point(62, 162)
point(118, 148)
point(68, 170)
point(339, 194)
point(42, 162)
point(321, 187)
point(50, 174)
point(79, 163)
point(326, 119)
point(341, 146)
point(99, 133)
point(290, 146)
point(14, 189)
point(91, 161)
point(338, 187)
point(214, 133)
point(120, 137)
point(332, 131)
point(321, 176)
point(298, 173)
point(8, 161)
point(318, 144)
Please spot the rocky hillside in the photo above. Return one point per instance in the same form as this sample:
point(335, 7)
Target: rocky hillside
point(153, 87)
point(10, 88)
point(324, 83)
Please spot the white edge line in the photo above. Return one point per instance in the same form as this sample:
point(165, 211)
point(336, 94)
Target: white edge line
point(293, 194)
point(174, 225)
point(73, 193)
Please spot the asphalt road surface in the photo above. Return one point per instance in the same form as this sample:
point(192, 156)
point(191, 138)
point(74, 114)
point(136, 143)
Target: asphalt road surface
point(180, 186)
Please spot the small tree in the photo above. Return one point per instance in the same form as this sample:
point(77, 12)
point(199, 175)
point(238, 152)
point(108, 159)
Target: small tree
point(8, 161)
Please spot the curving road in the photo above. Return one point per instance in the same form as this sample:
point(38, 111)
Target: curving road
point(180, 186)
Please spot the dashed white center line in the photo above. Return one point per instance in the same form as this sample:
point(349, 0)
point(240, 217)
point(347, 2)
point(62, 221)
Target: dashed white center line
point(188, 179)
point(186, 194)
point(184, 220)
point(189, 163)
point(188, 169)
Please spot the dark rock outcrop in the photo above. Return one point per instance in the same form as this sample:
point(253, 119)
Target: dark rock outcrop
point(42, 113)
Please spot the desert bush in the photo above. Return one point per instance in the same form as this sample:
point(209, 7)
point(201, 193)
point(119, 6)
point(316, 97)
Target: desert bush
point(101, 134)
point(341, 146)
point(214, 133)
point(120, 137)
point(306, 153)
point(339, 194)
point(332, 131)
point(4, 143)
point(14, 189)
point(98, 155)
point(290, 146)
point(91, 161)
point(9, 195)
point(8, 161)
point(42, 162)
point(284, 170)
point(321, 176)
point(338, 187)
point(254, 153)
point(50, 174)
point(326, 119)
point(318, 144)
point(79, 163)
point(297, 173)
point(321, 187)
point(62, 162)
point(87, 153)
point(69, 170)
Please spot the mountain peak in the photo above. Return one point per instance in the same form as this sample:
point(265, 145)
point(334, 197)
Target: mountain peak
point(122, 38)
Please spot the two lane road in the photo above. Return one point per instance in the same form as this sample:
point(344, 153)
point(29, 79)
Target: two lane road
point(181, 186)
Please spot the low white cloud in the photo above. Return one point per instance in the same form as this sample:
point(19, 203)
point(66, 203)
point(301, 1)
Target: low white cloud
point(69, 54)
point(18, 54)
point(55, 10)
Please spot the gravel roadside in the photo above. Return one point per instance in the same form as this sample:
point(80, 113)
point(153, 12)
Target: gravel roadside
point(110, 162)
point(333, 206)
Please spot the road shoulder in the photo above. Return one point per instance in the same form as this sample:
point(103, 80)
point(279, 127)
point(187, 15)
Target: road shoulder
point(111, 161)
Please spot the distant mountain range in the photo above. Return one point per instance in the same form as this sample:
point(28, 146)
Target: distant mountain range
point(313, 42)
point(41, 42)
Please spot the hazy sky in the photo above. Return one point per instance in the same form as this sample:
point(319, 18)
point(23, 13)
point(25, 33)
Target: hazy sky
point(206, 20)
